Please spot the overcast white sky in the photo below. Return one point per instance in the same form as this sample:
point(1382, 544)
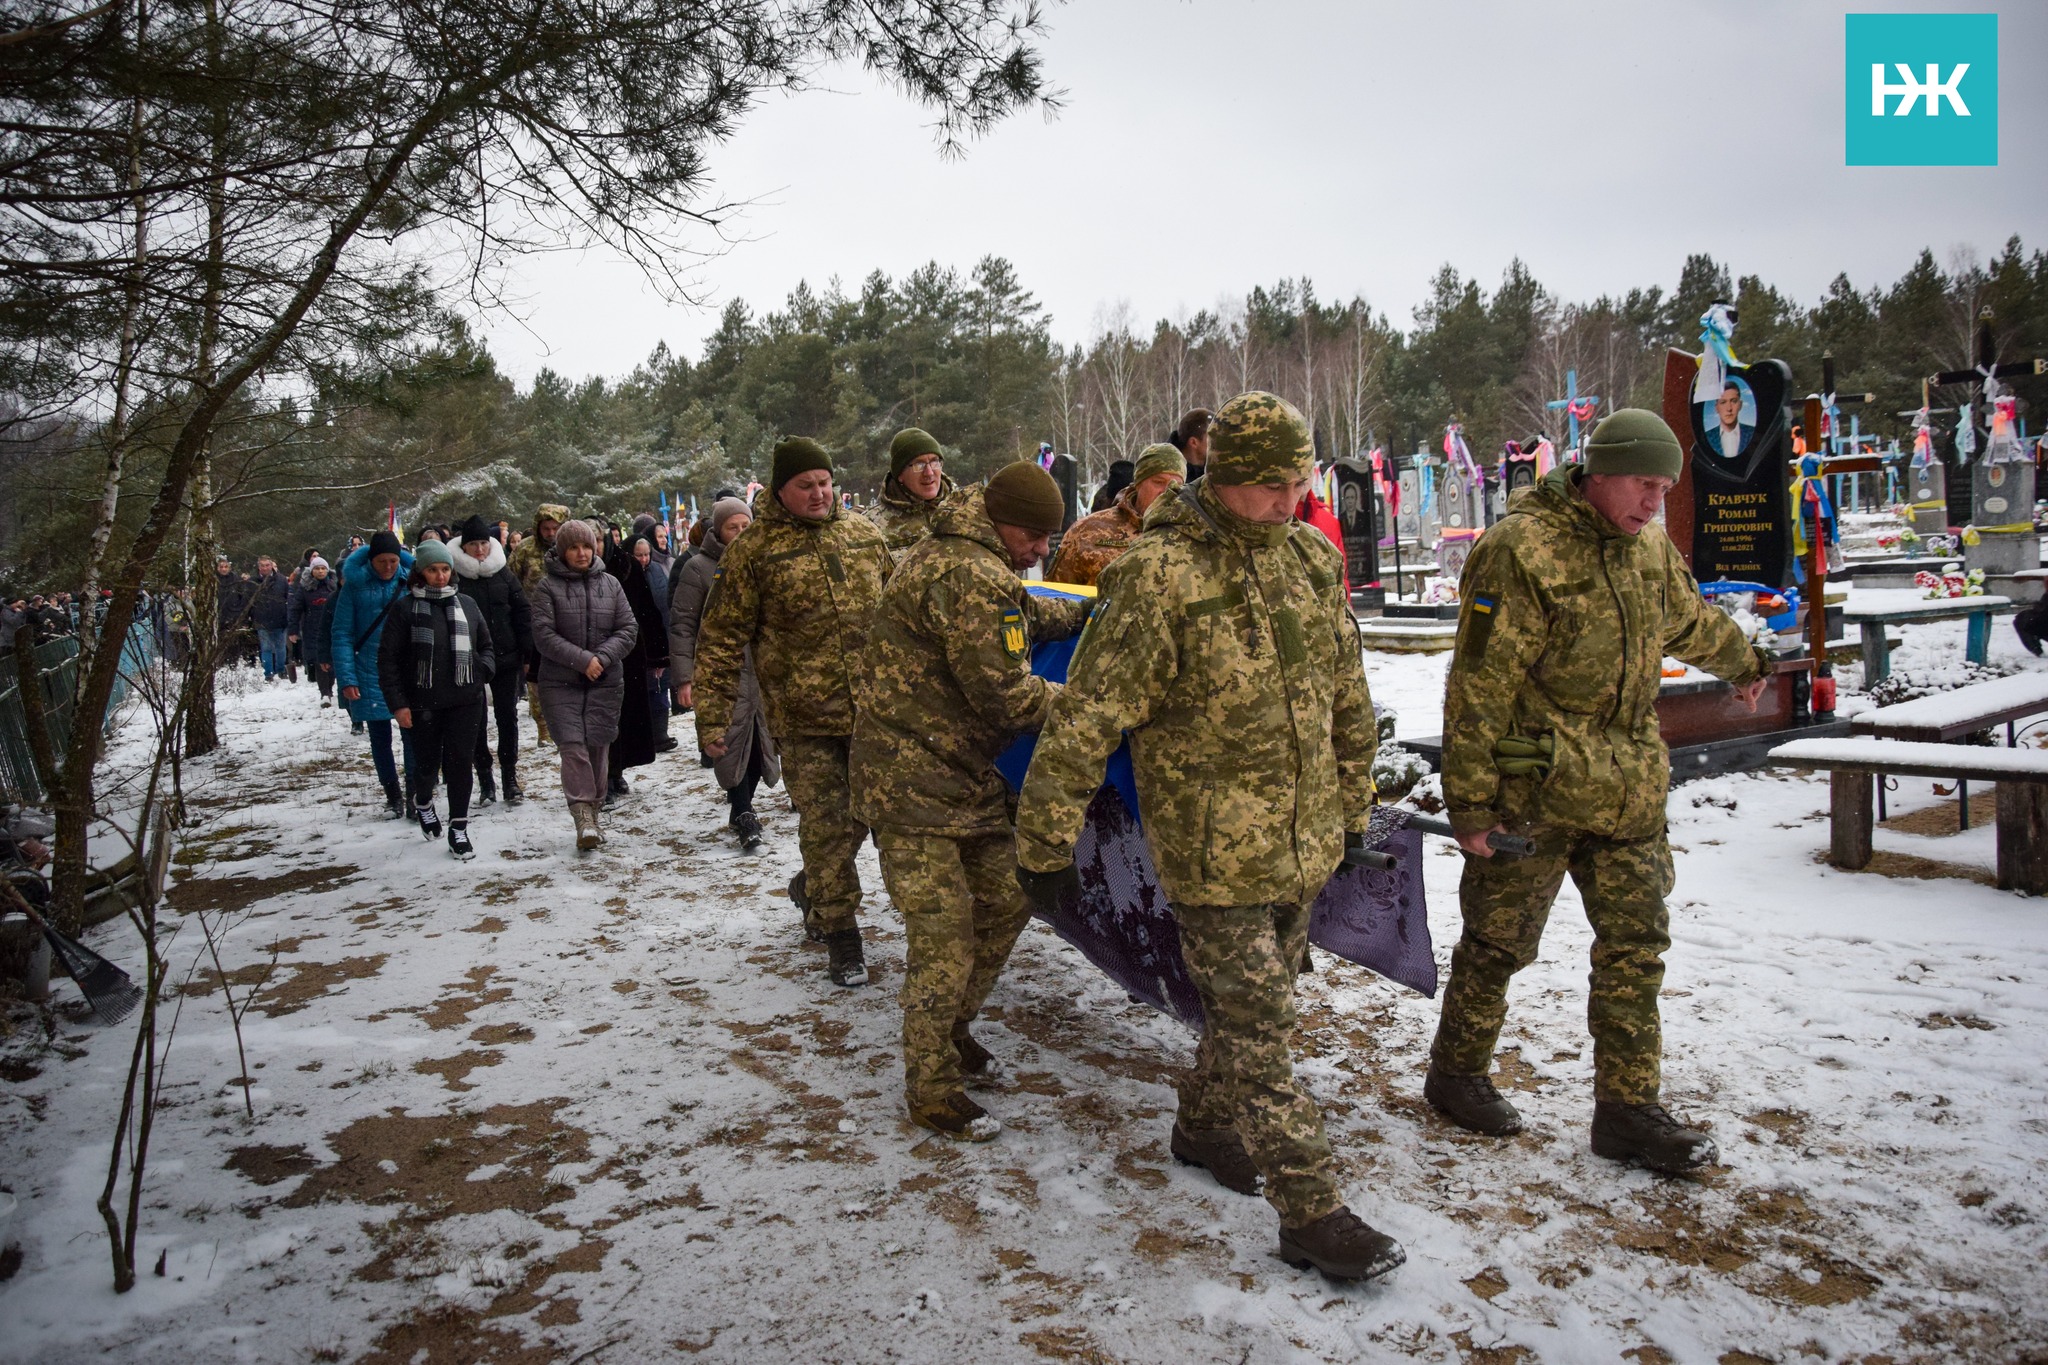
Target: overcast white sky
point(1209, 145)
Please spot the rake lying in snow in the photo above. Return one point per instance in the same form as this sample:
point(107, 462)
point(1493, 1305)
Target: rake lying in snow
point(110, 991)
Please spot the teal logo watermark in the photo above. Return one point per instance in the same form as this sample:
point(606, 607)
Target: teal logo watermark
point(1921, 90)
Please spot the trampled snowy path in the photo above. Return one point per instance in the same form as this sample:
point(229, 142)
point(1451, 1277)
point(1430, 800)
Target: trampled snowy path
point(542, 1107)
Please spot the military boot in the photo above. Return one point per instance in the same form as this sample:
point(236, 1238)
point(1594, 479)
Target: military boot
point(800, 897)
point(975, 1060)
point(1472, 1103)
point(956, 1117)
point(1220, 1152)
point(1646, 1135)
point(1341, 1245)
point(848, 966)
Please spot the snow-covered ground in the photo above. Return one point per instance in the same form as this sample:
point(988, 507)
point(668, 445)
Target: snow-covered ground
point(607, 1108)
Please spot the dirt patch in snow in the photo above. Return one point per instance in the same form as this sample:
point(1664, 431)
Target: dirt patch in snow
point(228, 895)
point(1946, 817)
point(427, 1160)
point(454, 1070)
point(453, 1010)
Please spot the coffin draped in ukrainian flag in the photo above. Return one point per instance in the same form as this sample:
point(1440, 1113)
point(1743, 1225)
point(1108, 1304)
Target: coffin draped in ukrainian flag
point(1123, 924)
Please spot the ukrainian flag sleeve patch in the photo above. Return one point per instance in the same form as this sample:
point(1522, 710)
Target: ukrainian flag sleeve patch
point(1479, 617)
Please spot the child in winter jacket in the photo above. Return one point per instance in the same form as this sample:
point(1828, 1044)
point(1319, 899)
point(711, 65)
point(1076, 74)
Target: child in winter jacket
point(433, 664)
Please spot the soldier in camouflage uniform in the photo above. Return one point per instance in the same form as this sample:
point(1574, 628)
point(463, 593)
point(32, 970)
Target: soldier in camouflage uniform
point(1222, 643)
point(528, 560)
point(1092, 542)
point(945, 686)
point(1571, 603)
point(799, 586)
point(911, 495)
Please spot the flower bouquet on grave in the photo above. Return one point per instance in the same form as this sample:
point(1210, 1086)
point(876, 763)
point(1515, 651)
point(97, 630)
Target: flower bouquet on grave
point(1950, 582)
point(1888, 541)
point(1440, 592)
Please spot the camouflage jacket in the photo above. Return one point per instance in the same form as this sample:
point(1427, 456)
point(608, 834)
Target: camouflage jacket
point(1564, 629)
point(528, 559)
point(1096, 539)
point(1229, 653)
point(801, 593)
point(902, 519)
point(946, 681)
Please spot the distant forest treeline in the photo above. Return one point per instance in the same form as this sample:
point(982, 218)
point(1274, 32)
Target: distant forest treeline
point(972, 359)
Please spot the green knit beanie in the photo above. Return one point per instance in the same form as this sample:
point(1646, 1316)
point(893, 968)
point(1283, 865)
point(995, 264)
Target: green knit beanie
point(911, 443)
point(796, 455)
point(1634, 441)
point(1159, 459)
point(1022, 494)
point(432, 552)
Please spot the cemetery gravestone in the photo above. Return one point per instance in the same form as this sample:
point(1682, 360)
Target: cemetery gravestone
point(1355, 515)
point(1741, 450)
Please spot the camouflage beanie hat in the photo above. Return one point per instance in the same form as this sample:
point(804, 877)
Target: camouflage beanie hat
point(911, 443)
point(1159, 459)
point(796, 455)
point(1634, 441)
point(1022, 494)
point(1259, 438)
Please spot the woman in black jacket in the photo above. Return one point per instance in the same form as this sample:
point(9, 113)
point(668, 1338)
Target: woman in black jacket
point(433, 663)
point(634, 747)
point(481, 574)
point(306, 616)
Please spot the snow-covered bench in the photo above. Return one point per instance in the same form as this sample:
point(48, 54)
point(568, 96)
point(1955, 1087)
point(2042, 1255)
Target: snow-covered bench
point(2021, 777)
point(1873, 618)
point(1947, 717)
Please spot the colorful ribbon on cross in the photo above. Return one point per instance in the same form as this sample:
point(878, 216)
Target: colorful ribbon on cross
point(1717, 327)
point(1810, 500)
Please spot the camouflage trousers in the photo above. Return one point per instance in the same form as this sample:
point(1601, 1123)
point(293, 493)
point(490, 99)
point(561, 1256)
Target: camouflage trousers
point(1243, 959)
point(814, 775)
point(540, 717)
point(962, 912)
point(1505, 903)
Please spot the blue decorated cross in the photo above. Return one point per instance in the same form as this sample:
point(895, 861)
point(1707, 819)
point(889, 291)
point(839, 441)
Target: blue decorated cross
point(1574, 405)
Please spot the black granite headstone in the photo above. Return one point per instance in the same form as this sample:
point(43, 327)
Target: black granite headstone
point(1356, 508)
point(1741, 457)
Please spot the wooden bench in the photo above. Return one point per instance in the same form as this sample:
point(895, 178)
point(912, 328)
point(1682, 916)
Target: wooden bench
point(1949, 716)
point(1877, 650)
point(2021, 776)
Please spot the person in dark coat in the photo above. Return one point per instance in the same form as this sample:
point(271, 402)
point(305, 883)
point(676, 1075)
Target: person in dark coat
point(269, 606)
point(481, 573)
point(634, 748)
point(750, 756)
point(434, 663)
point(372, 579)
point(307, 615)
point(641, 547)
point(1121, 476)
point(583, 629)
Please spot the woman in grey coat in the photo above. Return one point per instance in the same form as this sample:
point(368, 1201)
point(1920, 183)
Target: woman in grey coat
point(583, 628)
point(750, 756)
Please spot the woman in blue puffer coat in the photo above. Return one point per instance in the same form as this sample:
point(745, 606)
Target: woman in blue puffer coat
point(372, 578)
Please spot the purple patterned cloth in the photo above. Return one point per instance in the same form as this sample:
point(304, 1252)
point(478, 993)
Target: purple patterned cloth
point(1124, 926)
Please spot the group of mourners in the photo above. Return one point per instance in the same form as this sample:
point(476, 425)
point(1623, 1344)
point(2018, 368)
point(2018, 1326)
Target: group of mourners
point(877, 663)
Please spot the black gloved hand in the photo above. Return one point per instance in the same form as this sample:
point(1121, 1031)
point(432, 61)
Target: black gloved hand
point(1045, 890)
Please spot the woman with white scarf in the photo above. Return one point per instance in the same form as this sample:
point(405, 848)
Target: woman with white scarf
point(433, 662)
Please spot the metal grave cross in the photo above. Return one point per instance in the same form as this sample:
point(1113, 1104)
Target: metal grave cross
point(1574, 403)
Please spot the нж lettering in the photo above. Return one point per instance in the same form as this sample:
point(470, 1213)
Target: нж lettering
point(1934, 89)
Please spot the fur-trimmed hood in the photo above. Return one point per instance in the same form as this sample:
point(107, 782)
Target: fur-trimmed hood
point(491, 563)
